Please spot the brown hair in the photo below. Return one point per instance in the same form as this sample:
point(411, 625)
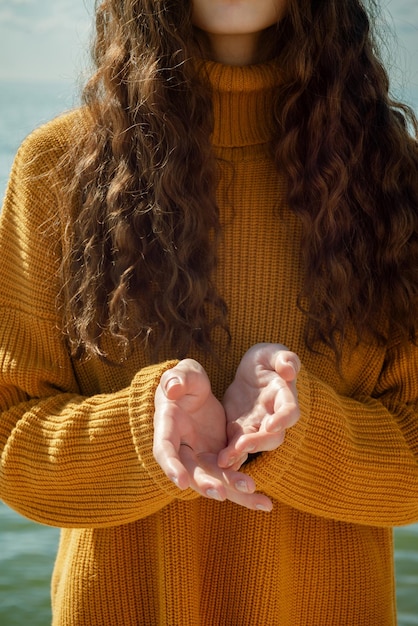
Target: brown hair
point(143, 245)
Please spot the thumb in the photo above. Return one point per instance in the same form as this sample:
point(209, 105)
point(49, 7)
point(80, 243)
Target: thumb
point(187, 378)
point(287, 365)
point(172, 385)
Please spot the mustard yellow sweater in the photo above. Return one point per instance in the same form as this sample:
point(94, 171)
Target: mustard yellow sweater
point(76, 438)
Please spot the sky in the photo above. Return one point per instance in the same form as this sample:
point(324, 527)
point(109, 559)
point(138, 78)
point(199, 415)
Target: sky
point(44, 40)
point(47, 40)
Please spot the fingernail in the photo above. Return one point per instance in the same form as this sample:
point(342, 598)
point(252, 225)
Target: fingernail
point(242, 486)
point(212, 493)
point(175, 480)
point(262, 507)
point(172, 382)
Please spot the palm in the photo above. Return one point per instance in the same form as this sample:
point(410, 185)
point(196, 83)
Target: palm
point(252, 394)
point(260, 403)
point(196, 417)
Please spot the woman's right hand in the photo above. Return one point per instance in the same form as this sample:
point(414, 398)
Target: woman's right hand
point(190, 431)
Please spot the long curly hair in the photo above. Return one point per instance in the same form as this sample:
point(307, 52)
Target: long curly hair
point(142, 248)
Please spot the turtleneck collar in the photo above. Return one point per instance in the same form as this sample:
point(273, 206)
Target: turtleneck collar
point(242, 103)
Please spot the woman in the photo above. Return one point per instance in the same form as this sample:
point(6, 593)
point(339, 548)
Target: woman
point(209, 371)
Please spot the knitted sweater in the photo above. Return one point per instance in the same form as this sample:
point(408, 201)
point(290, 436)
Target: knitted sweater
point(76, 437)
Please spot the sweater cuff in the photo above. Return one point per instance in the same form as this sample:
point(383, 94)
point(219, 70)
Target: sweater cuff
point(141, 417)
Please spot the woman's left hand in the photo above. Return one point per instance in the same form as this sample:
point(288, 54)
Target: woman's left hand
point(261, 403)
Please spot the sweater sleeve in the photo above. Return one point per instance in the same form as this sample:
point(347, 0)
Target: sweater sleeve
point(352, 459)
point(66, 459)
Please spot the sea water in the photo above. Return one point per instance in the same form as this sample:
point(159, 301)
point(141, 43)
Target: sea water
point(27, 550)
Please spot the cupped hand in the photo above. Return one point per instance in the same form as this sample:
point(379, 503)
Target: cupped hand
point(190, 431)
point(261, 403)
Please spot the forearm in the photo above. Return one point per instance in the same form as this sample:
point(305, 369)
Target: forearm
point(346, 459)
point(85, 462)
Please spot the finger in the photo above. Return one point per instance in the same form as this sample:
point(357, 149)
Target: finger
point(254, 501)
point(237, 463)
point(230, 457)
point(224, 484)
point(214, 482)
point(236, 481)
point(262, 441)
point(204, 477)
point(167, 457)
point(238, 449)
point(240, 489)
point(286, 408)
point(285, 418)
point(236, 453)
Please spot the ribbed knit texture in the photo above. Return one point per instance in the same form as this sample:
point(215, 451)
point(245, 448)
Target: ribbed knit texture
point(76, 438)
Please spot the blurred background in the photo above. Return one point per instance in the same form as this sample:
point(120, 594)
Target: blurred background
point(43, 63)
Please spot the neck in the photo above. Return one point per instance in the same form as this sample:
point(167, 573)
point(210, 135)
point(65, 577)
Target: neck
point(238, 49)
point(234, 49)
